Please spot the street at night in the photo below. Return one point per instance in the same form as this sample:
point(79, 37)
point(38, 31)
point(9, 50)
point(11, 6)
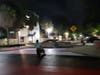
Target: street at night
point(57, 61)
point(49, 37)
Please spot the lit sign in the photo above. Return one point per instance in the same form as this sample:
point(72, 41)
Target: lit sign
point(73, 28)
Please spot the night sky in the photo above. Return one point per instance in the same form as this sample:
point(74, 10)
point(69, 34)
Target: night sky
point(65, 12)
point(60, 11)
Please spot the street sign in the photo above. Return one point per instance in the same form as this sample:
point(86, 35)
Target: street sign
point(73, 28)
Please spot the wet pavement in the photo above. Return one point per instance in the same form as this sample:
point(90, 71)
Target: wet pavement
point(89, 50)
point(30, 64)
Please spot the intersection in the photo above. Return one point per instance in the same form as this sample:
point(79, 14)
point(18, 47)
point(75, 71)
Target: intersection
point(58, 61)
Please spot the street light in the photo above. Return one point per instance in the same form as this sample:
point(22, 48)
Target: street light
point(49, 30)
point(66, 35)
point(27, 16)
point(27, 26)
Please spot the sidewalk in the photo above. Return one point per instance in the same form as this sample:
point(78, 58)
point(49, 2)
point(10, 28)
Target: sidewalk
point(11, 48)
point(89, 50)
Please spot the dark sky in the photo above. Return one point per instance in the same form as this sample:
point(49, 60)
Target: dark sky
point(60, 11)
point(64, 11)
point(68, 11)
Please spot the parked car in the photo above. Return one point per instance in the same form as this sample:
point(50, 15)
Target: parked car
point(92, 39)
point(55, 44)
point(49, 43)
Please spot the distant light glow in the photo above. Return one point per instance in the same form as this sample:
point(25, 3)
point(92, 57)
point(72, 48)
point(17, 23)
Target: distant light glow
point(27, 16)
point(30, 38)
point(19, 33)
point(66, 35)
point(87, 37)
point(12, 32)
point(27, 26)
point(80, 35)
point(49, 30)
point(74, 36)
point(60, 37)
point(96, 30)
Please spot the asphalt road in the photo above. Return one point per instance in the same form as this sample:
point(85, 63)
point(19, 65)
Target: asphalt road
point(52, 64)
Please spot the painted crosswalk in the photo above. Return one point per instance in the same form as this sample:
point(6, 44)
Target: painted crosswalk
point(49, 51)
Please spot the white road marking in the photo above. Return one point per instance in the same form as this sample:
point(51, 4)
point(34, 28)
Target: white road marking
point(49, 51)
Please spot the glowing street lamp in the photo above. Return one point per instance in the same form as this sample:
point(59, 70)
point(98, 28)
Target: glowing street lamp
point(49, 30)
point(27, 26)
point(60, 38)
point(27, 16)
point(66, 35)
point(81, 35)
